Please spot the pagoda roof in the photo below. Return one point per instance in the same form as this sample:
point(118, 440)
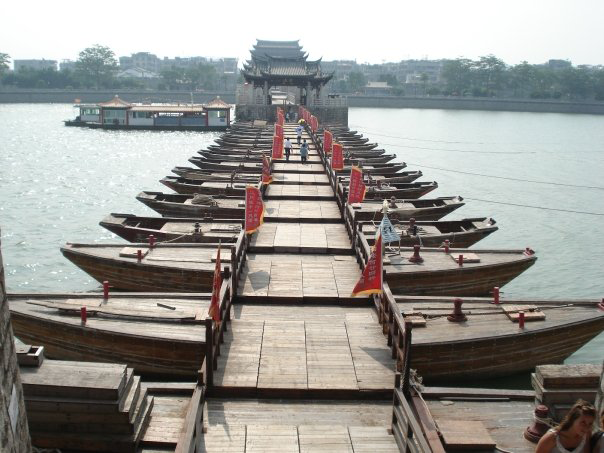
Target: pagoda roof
point(287, 49)
point(116, 102)
point(217, 103)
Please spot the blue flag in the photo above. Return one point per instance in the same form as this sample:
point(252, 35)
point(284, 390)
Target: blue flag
point(389, 234)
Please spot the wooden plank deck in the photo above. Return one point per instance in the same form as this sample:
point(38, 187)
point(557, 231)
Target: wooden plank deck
point(297, 210)
point(299, 192)
point(301, 238)
point(296, 351)
point(297, 277)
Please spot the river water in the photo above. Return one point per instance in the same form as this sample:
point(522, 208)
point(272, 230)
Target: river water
point(57, 183)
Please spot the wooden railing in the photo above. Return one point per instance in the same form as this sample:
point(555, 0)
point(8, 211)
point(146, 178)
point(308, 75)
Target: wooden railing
point(192, 429)
point(406, 430)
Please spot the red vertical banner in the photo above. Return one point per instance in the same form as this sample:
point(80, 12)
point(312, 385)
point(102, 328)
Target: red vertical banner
point(314, 124)
point(337, 157)
point(371, 278)
point(277, 147)
point(327, 141)
point(214, 311)
point(267, 178)
point(279, 131)
point(254, 209)
point(356, 187)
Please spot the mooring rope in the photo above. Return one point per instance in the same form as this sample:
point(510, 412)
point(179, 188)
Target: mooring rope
point(537, 207)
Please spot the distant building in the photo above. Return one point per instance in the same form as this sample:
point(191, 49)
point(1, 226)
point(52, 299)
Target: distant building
point(137, 73)
point(67, 65)
point(142, 60)
point(558, 65)
point(35, 64)
point(377, 89)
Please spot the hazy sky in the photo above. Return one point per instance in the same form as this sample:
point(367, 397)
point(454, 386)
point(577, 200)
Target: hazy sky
point(368, 31)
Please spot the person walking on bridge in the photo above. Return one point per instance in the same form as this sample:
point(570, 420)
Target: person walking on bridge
point(299, 130)
point(303, 152)
point(288, 148)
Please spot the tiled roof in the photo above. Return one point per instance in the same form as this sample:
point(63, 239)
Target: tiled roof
point(217, 103)
point(115, 102)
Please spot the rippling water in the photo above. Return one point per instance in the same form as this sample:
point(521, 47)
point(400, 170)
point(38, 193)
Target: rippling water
point(57, 183)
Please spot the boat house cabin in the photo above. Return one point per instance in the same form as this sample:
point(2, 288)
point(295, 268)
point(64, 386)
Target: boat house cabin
point(119, 114)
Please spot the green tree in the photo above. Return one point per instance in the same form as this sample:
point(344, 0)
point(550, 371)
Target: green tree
point(4, 59)
point(491, 71)
point(390, 79)
point(98, 64)
point(576, 83)
point(356, 81)
point(458, 75)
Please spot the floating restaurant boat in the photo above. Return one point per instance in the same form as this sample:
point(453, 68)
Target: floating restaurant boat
point(460, 233)
point(119, 114)
point(163, 267)
point(424, 209)
point(205, 230)
point(158, 334)
point(485, 340)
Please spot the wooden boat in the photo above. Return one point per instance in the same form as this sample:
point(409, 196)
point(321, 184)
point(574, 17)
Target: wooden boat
point(460, 233)
point(410, 190)
point(187, 186)
point(137, 229)
point(165, 267)
point(177, 205)
point(424, 209)
point(201, 176)
point(227, 166)
point(377, 169)
point(489, 342)
point(401, 176)
point(158, 334)
point(440, 274)
point(220, 207)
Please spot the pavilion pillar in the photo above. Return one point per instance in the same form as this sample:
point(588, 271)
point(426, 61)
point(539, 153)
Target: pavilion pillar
point(265, 92)
point(308, 94)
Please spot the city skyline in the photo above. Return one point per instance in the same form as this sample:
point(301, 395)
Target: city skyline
point(513, 31)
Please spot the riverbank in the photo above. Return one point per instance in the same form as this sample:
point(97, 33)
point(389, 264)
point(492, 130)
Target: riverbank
point(48, 96)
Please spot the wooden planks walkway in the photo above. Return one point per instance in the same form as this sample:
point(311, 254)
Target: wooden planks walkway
point(301, 238)
point(297, 277)
point(330, 357)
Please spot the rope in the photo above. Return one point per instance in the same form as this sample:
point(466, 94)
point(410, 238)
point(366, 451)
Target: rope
point(538, 207)
point(508, 178)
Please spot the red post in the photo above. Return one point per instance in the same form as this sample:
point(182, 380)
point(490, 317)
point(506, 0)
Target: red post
point(105, 289)
point(83, 314)
point(416, 258)
point(151, 241)
point(538, 428)
point(601, 304)
point(496, 295)
point(521, 320)
point(447, 244)
point(457, 315)
point(139, 255)
point(460, 260)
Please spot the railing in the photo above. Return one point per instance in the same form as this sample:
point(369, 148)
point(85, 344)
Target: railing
point(192, 430)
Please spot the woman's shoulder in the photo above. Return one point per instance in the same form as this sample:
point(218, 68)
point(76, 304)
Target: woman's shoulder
point(547, 442)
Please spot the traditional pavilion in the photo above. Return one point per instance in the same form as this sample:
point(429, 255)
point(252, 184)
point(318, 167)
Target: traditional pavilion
point(284, 64)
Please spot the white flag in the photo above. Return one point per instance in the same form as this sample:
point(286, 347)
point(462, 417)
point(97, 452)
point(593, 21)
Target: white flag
point(389, 234)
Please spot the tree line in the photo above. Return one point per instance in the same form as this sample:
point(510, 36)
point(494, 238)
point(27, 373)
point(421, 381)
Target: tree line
point(96, 68)
point(489, 76)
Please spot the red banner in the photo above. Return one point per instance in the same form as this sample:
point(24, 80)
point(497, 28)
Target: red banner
point(266, 171)
point(356, 188)
point(254, 209)
point(337, 157)
point(371, 279)
point(327, 141)
point(314, 123)
point(277, 147)
point(279, 130)
point(214, 311)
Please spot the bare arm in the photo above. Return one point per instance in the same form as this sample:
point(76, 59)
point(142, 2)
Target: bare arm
point(546, 443)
